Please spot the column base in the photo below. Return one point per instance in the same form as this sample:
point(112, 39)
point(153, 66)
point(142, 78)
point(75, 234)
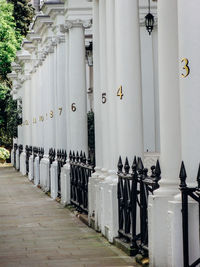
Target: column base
point(23, 163)
point(17, 160)
point(44, 174)
point(65, 185)
point(54, 179)
point(175, 241)
point(37, 171)
point(30, 174)
point(93, 181)
point(12, 156)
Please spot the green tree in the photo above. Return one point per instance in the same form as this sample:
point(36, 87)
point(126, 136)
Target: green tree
point(23, 13)
point(9, 43)
point(15, 18)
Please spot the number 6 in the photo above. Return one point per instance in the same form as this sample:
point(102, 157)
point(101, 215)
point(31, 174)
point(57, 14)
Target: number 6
point(104, 99)
point(73, 107)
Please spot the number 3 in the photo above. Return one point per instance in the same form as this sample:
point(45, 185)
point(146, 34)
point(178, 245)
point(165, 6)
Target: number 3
point(186, 68)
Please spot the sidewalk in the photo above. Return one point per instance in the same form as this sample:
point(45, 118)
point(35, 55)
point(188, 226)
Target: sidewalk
point(37, 231)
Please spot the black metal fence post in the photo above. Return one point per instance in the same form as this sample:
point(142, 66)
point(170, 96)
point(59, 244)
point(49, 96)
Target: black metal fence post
point(194, 193)
point(133, 192)
point(20, 151)
point(15, 150)
point(80, 171)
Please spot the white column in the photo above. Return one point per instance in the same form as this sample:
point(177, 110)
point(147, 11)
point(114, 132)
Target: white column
point(128, 76)
point(61, 95)
point(170, 134)
point(77, 87)
point(189, 41)
point(34, 100)
point(104, 77)
point(50, 112)
point(45, 109)
point(97, 90)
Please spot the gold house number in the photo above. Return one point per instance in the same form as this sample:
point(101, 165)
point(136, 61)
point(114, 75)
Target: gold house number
point(119, 92)
point(185, 67)
point(51, 114)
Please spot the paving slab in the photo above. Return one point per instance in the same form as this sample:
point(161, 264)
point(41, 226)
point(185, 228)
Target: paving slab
point(37, 231)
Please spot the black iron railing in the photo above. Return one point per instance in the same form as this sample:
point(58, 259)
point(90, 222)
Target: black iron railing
point(133, 190)
point(28, 154)
point(15, 151)
point(52, 155)
point(61, 158)
point(194, 193)
point(40, 153)
point(80, 171)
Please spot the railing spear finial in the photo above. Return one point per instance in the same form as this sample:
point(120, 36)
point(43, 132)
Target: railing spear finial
point(120, 165)
point(183, 176)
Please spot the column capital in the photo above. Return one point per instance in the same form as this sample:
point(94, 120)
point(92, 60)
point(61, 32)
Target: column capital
point(75, 23)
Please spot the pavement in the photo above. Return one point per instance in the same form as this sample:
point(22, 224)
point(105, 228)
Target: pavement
point(37, 231)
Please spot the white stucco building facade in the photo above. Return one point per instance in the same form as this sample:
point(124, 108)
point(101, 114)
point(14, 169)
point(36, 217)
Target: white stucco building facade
point(143, 90)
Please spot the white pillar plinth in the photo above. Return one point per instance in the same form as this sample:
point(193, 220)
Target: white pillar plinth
point(110, 207)
point(37, 171)
point(23, 163)
point(12, 156)
point(175, 253)
point(17, 159)
point(65, 184)
point(44, 174)
point(30, 173)
point(92, 204)
point(54, 179)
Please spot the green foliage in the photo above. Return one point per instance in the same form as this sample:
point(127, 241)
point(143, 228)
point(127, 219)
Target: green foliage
point(15, 18)
point(8, 40)
point(4, 153)
point(23, 13)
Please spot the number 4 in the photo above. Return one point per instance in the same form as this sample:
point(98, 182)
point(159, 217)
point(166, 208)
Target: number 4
point(119, 92)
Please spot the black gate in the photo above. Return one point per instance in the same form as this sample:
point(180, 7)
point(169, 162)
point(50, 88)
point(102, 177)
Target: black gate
point(133, 190)
point(194, 193)
point(80, 171)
